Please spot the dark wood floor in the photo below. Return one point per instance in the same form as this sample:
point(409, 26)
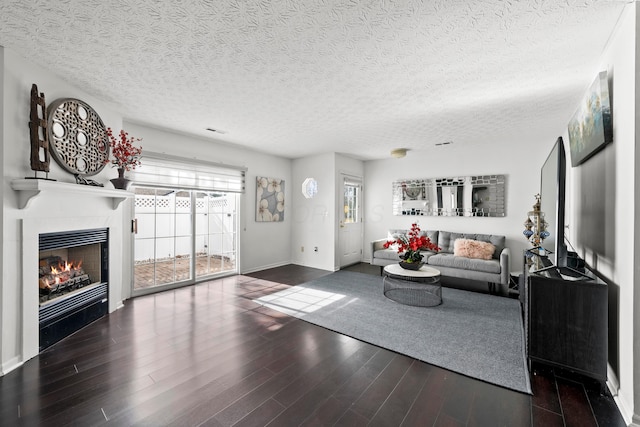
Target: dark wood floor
point(208, 355)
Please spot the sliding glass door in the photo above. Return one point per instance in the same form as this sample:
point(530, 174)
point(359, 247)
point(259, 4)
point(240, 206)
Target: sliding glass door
point(182, 236)
point(216, 233)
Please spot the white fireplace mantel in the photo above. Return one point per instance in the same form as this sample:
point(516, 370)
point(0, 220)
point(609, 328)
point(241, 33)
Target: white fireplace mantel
point(29, 188)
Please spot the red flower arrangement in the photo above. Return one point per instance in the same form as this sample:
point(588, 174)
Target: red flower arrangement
point(412, 243)
point(126, 155)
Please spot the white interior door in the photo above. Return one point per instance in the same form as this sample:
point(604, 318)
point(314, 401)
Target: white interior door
point(350, 232)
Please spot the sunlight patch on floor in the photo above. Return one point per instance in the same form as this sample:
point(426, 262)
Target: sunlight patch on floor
point(298, 300)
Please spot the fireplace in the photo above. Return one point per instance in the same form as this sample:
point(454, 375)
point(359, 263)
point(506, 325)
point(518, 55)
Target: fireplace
point(72, 282)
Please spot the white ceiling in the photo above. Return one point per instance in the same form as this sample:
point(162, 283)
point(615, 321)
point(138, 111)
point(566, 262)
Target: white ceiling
point(302, 77)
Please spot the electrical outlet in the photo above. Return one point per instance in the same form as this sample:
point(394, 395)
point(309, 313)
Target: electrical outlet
point(301, 248)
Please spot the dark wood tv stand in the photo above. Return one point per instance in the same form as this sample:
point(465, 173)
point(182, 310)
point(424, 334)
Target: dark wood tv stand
point(566, 322)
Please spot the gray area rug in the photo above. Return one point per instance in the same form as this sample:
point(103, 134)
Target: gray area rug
point(474, 334)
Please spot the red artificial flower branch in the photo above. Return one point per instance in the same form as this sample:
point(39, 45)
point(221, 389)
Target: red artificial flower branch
point(412, 243)
point(126, 155)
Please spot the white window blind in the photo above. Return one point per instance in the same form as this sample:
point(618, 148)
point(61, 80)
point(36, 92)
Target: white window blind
point(161, 170)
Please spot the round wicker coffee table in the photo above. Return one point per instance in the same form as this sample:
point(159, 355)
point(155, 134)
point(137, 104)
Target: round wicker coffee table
point(420, 288)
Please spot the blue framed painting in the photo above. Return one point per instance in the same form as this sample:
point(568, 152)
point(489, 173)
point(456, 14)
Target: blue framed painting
point(591, 128)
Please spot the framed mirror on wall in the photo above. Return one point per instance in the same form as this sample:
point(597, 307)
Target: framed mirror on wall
point(476, 195)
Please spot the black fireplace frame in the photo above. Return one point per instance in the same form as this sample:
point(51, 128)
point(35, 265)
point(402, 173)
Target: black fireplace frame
point(68, 314)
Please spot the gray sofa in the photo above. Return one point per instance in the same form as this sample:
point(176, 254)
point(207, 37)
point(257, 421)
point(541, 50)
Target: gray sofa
point(494, 271)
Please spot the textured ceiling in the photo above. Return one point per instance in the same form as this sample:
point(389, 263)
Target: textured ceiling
point(301, 77)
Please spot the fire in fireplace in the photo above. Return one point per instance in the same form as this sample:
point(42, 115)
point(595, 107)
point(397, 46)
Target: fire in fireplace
point(58, 276)
point(73, 274)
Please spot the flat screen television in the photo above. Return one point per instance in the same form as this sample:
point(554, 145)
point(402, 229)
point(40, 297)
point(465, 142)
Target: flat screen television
point(552, 203)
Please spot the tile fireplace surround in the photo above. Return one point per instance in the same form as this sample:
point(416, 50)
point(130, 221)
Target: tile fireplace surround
point(57, 208)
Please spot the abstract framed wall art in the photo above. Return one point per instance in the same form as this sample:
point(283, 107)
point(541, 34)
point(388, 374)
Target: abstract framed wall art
point(269, 199)
point(591, 128)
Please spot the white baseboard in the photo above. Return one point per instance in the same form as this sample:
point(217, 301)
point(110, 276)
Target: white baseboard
point(613, 384)
point(612, 381)
point(627, 413)
point(11, 364)
point(266, 267)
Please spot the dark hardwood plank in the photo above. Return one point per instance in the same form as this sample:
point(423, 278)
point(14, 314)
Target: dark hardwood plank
point(458, 397)
point(214, 397)
point(190, 415)
point(429, 401)
point(377, 393)
point(607, 415)
point(304, 405)
point(290, 377)
point(575, 404)
point(327, 413)
point(355, 386)
point(545, 393)
point(344, 396)
point(445, 420)
point(323, 351)
point(256, 418)
point(316, 374)
point(497, 406)
point(352, 419)
point(290, 274)
point(544, 418)
point(394, 410)
point(155, 372)
point(257, 402)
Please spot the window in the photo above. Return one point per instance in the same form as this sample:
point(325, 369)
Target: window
point(351, 202)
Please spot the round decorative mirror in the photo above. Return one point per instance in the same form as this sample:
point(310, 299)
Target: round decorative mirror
point(77, 137)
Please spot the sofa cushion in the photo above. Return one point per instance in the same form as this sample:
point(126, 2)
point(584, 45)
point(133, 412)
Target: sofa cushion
point(394, 235)
point(473, 249)
point(496, 240)
point(431, 234)
point(452, 261)
point(446, 241)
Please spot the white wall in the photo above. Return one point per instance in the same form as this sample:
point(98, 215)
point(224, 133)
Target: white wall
point(262, 245)
point(520, 161)
point(2, 264)
point(314, 220)
point(617, 166)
